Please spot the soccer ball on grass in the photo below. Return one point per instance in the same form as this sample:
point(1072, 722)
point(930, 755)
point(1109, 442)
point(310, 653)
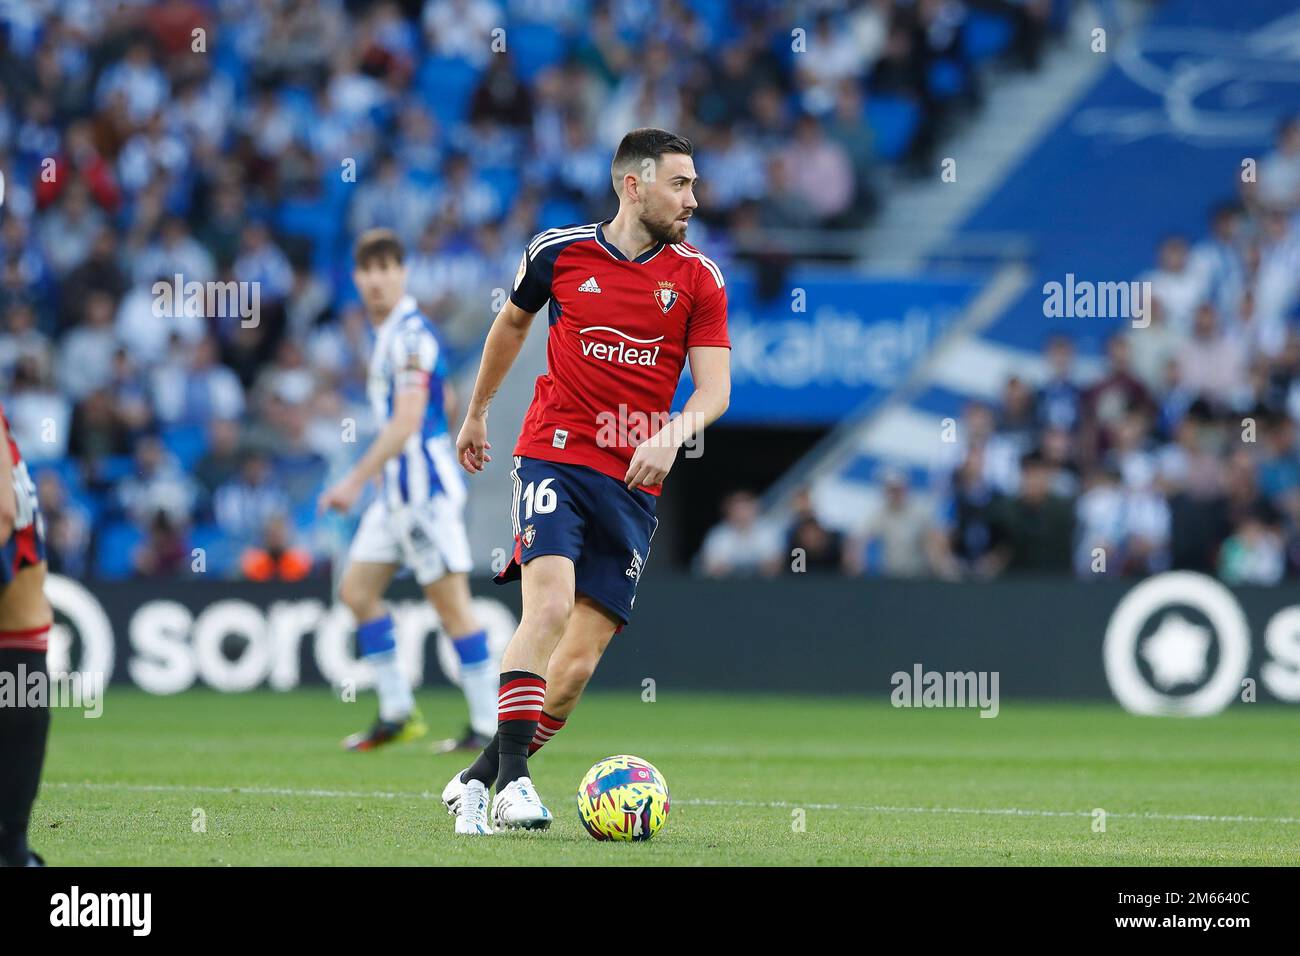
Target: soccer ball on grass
point(623, 798)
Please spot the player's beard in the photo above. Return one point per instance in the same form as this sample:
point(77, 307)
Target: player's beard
point(664, 233)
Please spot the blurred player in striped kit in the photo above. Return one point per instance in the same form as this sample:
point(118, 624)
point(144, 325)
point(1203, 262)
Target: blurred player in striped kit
point(416, 520)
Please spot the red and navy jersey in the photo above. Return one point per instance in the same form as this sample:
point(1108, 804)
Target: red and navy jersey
point(618, 335)
point(26, 546)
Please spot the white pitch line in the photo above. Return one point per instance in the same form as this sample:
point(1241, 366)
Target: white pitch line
point(755, 804)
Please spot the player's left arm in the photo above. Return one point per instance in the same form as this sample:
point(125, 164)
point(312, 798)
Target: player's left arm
point(414, 357)
point(711, 373)
point(408, 413)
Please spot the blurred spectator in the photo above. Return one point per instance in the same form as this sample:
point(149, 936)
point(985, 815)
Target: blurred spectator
point(743, 543)
point(1254, 553)
point(972, 512)
point(1036, 528)
point(820, 173)
point(67, 528)
point(1276, 289)
point(1152, 347)
point(462, 29)
point(86, 353)
point(812, 546)
point(163, 553)
point(224, 456)
point(39, 415)
point(21, 340)
point(276, 559)
point(905, 530)
point(1217, 261)
point(1109, 400)
point(1058, 398)
point(1210, 363)
point(68, 231)
point(243, 505)
point(174, 253)
point(158, 486)
point(197, 391)
point(1174, 284)
point(1278, 177)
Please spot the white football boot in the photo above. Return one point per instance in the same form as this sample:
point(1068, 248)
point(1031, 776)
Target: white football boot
point(472, 810)
point(519, 807)
point(452, 793)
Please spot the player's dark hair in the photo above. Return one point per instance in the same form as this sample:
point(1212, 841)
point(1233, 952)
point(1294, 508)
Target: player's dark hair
point(377, 246)
point(646, 143)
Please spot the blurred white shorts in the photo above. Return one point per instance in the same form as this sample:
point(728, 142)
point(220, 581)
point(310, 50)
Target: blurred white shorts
point(429, 538)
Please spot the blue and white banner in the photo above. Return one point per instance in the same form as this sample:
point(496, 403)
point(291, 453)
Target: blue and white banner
point(829, 343)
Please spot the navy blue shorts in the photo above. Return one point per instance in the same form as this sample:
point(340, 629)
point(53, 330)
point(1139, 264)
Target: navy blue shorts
point(24, 548)
point(589, 517)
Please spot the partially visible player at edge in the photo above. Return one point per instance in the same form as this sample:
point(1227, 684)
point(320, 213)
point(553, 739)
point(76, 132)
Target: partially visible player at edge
point(25, 619)
point(630, 303)
point(416, 520)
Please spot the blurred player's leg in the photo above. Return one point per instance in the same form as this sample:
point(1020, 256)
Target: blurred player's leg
point(25, 618)
point(362, 589)
point(450, 596)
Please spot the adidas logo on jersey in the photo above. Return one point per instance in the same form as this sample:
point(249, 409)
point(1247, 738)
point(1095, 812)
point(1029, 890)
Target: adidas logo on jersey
point(589, 285)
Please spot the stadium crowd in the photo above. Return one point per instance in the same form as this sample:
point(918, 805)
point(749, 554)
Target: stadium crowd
point(1181, 453)
point(249, 141)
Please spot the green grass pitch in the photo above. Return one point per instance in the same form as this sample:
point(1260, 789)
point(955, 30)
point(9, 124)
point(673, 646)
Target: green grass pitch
point(754, 780)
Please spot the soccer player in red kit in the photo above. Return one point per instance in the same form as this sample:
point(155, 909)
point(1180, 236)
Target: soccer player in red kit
point(630, 302)
point(25, 619)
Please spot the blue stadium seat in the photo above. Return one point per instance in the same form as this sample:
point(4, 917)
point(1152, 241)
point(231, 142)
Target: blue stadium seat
point(557, 212)
point(893, 120)
point(947, 79)
point(504, 182)
point(299, 101)
point(304, 515)
point(221, 554)
point(117, 542)
point(986, 35)
point(186, 442)
point(447, 83)
point(310, 219)
point(114, 468)
point(535, 48)
point(68, 470)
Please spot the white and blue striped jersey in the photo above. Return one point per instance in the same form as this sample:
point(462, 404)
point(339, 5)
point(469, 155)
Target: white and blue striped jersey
point(407, 353)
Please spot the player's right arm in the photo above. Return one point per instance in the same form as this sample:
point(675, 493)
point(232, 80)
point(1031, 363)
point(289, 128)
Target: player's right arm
point(504, 340)
point(532, 288)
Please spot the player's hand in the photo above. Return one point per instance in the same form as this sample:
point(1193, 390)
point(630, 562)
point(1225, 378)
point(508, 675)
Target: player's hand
point(650, 463)
point(472, 445)
point(340, 497)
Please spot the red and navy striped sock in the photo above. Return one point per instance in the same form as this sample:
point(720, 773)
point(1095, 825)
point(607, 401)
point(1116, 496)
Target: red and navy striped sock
point(547, 727)
point(519, 708)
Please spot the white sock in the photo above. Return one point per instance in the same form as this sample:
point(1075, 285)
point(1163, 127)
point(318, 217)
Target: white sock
point(395, 698)
point(481, 684)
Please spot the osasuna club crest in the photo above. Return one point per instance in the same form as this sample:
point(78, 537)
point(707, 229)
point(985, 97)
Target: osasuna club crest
point(528, 535)
point(665, 296)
